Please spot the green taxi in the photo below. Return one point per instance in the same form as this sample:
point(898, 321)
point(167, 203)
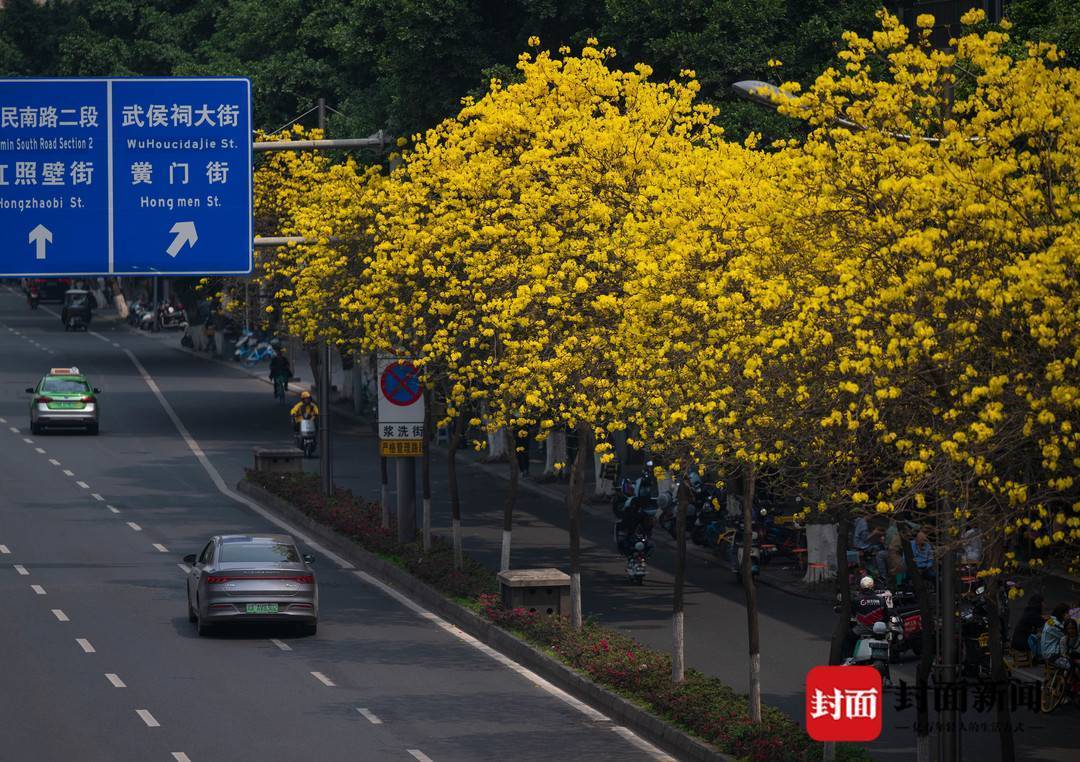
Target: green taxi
point(63, 398)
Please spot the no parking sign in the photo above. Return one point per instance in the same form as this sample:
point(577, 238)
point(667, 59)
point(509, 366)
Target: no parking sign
point(401, 408)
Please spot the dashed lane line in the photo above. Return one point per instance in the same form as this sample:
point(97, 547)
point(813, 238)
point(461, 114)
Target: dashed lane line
point(419, 755)
point(113, 678)
point(14, 429)
point(21, 570)
point(38, 589)
point(39, 451)
point(28, 440)
point(97, 497)
point(4, 550)
point(3, 420)
point(160, 548)
point(283, 646)
point(54, 461)
point(369, 715)
point(180, 756)
point(84, 644)
point(324, 679)
point(68, 472)
point(84, 485)
point(112, 508)
point(225, 490)
point(60, 615)
point(145, 716)
point(184, 568)
point(134, 526)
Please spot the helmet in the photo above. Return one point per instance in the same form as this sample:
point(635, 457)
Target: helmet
point(305, 395)
point(866, 583)
point(880, 628)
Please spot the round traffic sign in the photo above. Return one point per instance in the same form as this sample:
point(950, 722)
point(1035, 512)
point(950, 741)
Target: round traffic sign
point(400, 384)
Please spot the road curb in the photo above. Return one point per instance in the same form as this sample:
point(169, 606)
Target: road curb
point(618, 709)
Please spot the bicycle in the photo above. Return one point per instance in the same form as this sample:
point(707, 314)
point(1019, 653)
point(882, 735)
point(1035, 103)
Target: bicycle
point(281, 387)
point(1060, 681)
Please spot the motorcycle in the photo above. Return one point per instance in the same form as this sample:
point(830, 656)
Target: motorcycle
point(305, 437)
point(172, 315)
point(33, 297)
point(633, 532)
point(975, 630)
point(872, 649)
point(635, 560)
point(898, 611)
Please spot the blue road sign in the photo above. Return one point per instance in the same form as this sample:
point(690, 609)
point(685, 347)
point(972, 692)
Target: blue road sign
point(148, 176)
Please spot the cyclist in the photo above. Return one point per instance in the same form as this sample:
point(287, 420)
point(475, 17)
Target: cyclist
point(280, 373)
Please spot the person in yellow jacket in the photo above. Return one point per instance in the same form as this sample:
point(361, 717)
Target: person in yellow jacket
point(304, 409)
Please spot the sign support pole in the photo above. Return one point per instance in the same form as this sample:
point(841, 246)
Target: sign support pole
point(326, 460)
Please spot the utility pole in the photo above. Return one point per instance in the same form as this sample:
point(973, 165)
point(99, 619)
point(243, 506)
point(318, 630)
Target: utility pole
point(326, 460)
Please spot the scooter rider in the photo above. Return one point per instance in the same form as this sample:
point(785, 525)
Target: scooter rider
point(280, 367)
point(304, 409)
point(870, 605)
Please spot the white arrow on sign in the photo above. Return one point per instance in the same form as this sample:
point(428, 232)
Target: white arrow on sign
point(185, 233)
point(40, 236)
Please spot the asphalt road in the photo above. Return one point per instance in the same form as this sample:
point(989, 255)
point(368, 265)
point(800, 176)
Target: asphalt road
point(447, 700)
point(100, 662)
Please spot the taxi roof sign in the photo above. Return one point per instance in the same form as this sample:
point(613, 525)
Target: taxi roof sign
point(72, 371)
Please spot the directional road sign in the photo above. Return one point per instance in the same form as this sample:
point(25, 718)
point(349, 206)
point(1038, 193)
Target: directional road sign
point(401, 408)
point(145, 176)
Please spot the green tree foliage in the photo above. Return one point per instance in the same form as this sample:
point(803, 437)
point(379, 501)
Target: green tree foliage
point(404, 64)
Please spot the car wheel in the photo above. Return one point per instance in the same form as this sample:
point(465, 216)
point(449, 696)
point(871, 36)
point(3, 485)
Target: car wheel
point(92, 429)
point(201, 627)
point(191, 616)
point(309, 629)
point(35, 427)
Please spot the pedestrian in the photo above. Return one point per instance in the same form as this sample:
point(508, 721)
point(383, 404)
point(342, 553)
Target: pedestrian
point(1072, 639)
point(923, 554)
point(1025, 637)
point(1052, 644)
point(890, 559)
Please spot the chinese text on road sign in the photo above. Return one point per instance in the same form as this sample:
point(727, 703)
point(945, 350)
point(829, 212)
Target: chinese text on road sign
point(125, 176)
point(401, 408)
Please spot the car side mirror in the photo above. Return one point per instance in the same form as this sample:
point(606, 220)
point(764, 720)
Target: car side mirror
point(29, 390)
point(96, 390)
point(191, 559)
point(308, 558)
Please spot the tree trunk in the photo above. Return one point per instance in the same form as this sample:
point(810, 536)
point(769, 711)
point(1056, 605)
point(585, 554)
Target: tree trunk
point(555, 452)
point(496, 446)
point(604, 487)
point(385, 492)
point(998, 626)
point(574, 497)
point(118, 298)
point(843, 595)
point(751, 594)
point(926, 658)
point(821, 548)
point(678, 642)
point(452, 487)
point(425, 474)
point(511, 497)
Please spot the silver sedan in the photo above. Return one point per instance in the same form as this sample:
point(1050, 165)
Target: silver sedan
point(252, 578)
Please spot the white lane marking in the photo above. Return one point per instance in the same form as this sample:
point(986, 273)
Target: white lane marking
point(60, 615)
point(38, 589)
point(224, 489)
point(39, 451)
point(115, 680)
point(3, 420)
point(21, 569)
point(68, 472)
point(215, 477)
point(96, 496)
point(14, 429)
point(148, 718)
point(420, 756)
point(369, 715)
point(512, 665)
point(185, 568)
point(160, 548)
point(4, 550)
point(28, 440)
point(114, 510)
point(116, 345)
point(134, 526)
point(54, 461)
point(281, 645)
point(84, 644)
point(99, 336)
point(180, 756)
point(84, 485)
point(323, 679)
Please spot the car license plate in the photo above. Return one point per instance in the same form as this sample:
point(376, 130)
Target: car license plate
point(262, 608)
point(65, 405)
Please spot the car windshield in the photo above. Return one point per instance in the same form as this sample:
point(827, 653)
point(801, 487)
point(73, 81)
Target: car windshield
point(62, 385)
point(254, 551)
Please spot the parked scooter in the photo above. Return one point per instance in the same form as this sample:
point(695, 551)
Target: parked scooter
point(33, 296)
point(172, 315)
